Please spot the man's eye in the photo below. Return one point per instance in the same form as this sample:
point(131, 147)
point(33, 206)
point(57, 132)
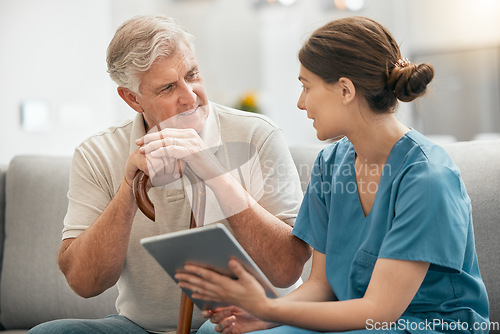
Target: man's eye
point(166, 88)
point(193, 75)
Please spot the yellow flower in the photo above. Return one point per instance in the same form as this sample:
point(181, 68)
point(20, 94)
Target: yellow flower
point(248, 102)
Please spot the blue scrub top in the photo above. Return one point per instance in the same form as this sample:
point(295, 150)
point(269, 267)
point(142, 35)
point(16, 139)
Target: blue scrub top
point(421, 212)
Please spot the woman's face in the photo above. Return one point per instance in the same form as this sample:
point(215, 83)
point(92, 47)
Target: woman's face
point(323, 103)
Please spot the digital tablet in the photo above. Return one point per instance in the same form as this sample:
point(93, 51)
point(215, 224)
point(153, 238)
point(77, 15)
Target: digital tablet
point(210, 246)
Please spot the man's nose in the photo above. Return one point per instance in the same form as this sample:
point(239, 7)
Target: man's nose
point(188, 95)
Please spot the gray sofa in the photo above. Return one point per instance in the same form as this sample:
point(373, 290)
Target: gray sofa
point(33, 203)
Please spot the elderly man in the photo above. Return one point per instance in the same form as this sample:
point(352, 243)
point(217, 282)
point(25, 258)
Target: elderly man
point(252, 185)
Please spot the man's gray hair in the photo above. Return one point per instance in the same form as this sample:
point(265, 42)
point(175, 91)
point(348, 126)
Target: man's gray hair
point(138, 42)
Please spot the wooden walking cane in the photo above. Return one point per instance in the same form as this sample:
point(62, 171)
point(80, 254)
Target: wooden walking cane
point(197, 217)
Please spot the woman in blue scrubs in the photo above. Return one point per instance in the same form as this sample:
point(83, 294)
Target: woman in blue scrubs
point(386, 211)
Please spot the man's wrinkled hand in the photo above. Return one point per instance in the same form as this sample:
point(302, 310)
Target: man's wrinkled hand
point(164, 148)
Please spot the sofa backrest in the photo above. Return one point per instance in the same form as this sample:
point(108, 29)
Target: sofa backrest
point(3, 170)
point(479, 163)
point(33, 290)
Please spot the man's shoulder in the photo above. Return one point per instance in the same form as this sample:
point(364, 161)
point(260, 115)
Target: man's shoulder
point(118, 130)
point(115, 137)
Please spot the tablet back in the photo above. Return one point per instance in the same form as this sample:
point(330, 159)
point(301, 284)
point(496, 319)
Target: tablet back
point(210, 246)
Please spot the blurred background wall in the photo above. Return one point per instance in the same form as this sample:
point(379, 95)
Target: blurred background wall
point(55, 90)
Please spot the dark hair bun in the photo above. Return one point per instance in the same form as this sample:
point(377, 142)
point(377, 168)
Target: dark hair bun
point(410, 82)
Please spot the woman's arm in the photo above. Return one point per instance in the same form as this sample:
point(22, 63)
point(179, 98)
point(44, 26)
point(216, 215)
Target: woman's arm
point(393, 285)
point(316, 288)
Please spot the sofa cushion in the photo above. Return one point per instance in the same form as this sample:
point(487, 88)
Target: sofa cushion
point(33, 290)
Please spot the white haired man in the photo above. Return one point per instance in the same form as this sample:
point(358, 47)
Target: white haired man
point(151, 59)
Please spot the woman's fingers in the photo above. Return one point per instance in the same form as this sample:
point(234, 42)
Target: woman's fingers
point(204, 284)
point(237, 268)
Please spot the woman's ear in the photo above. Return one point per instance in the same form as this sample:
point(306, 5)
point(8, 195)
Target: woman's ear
point(131, 98)
point(348, 90)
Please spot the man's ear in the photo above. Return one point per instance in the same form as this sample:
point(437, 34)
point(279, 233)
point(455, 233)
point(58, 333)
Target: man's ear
point(348, 90)
point(131, 98)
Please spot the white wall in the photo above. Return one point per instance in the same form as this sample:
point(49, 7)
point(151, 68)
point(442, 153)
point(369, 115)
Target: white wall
point(283, 30)
point(227, 44)
point(453, 24)
point(462, 40)
point(243, 48)
point(54, 51)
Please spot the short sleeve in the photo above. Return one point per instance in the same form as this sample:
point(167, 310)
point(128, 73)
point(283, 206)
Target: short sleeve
point(87, 196)
point(312, 221)
point(431, 220)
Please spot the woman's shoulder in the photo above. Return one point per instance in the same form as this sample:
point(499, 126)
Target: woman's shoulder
point(420, 150)
point(428, 162)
